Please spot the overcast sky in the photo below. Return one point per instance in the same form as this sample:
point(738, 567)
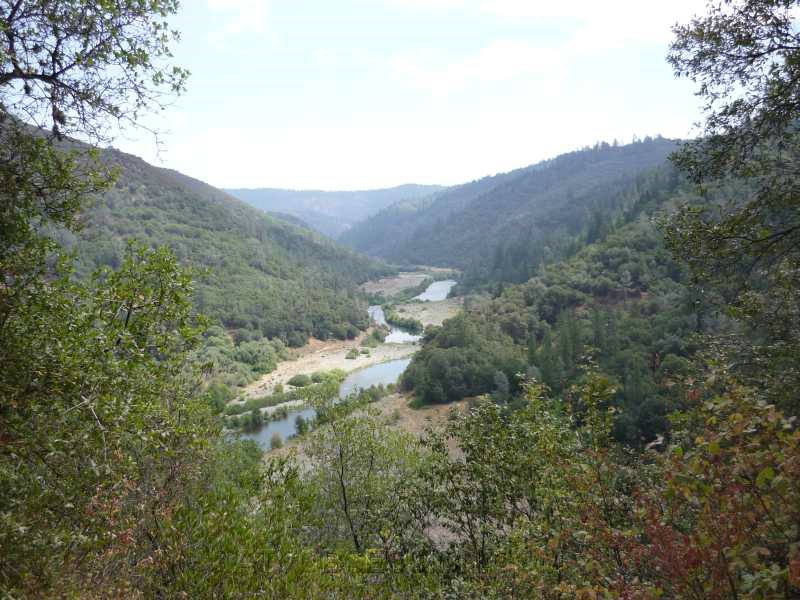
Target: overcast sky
point(357, 94)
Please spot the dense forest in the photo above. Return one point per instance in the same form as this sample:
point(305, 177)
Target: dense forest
point(630, 429)
point(265, 277)
point(620, 299)
point(331, 213)
point(534, 210)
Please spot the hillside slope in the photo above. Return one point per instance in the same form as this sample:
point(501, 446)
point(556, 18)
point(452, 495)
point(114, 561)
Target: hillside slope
point(331, 213)
point(463, 226)
point(265, 276)
point(621, 303)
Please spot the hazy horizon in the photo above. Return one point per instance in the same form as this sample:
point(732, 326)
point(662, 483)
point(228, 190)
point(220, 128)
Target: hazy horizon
point(364, 96)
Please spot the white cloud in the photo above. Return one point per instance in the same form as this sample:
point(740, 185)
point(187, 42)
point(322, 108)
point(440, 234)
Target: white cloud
point(605, 23)
point(584, 28)
point(504, 60)
point(428, 4)
point(240, 16)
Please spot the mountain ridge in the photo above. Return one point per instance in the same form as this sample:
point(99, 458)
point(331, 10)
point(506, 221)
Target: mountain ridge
point(461, 226)
point(259, 264)
point(330, 212)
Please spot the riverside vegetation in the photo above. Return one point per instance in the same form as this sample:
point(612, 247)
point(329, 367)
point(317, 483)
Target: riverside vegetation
point(634, 434)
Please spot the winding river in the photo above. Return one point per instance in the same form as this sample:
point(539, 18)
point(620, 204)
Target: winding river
point(383, 373)
point(437, 291)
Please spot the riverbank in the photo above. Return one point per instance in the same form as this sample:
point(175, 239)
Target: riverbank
point(391, 286)
point(326, 356)
point(396, 410)
point(365, 367)
point(432, 313)
point(332, 354)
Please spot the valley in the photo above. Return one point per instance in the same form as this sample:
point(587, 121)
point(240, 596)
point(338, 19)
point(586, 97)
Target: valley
point(438, 339)
point(382, 365)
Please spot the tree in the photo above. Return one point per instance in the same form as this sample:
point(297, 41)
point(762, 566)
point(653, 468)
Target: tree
point(729, 498)
point(360, 466)
point(743, 238)
point(744, 55)
point(101, 426)
point(74, 66)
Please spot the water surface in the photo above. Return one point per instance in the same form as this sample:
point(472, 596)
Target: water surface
point(395, 335)
point(384, 373)
point(437, 291)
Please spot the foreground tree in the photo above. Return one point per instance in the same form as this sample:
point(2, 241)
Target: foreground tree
point(100, 433)
point(731, 481)
point(743, 240)
point(77, 66)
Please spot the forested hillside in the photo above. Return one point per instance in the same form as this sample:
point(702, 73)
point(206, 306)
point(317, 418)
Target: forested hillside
point(622, 302)
point(266, 277)
point(628, 354)
point(331, 213)
point(529, 210)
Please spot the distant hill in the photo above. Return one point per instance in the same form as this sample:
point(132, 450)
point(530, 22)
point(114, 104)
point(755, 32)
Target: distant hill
point(331, 213)
point(266, 276)
point(536, 206)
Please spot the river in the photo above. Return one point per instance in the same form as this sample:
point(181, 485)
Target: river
point(396, 335)
point(383, 373)
point(437, 291)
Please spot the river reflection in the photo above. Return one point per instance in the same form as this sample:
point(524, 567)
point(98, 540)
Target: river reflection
point(395, 335)
point(437, 291)
point(384, 373)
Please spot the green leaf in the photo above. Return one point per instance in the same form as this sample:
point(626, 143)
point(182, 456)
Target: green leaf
point(766, 475)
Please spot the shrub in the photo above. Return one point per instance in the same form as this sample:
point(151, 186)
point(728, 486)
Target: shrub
point(300, 380)
point(301, 425)
point(276, 441)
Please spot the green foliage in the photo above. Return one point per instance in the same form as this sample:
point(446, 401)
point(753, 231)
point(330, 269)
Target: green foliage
point(300, 380)
point(97, 415)
point(77, 79)
point(527, 215)
point(218, 395)
point(326, 381)
point(115, 483)
point(393, 317)
point(742, 239)
point(639, 326)
point(358, 466)
point(352, 354)
point(232, 365)
point(729, 496)
point(376, 337)
point(750, 46)
point(264, 278)
point(301, 425)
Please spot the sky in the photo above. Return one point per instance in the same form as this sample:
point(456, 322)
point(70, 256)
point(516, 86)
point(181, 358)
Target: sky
point(363, 94)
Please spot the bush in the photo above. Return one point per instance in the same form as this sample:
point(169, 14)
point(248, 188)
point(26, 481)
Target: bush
point(301, 425)
point(295, 339)
point(218, 395)
point(300, 380)
point(352, 354)
point(276, 441)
